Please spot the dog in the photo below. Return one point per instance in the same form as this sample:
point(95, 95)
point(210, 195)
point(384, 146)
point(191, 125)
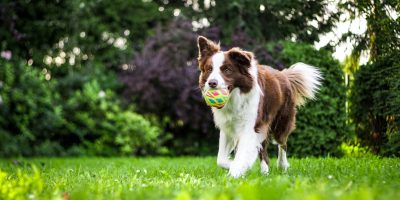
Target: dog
point(262, 100)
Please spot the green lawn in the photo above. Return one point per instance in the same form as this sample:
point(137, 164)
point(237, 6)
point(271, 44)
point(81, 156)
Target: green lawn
point(197, 178)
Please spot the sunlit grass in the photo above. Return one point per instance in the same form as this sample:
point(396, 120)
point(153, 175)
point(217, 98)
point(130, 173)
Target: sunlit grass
point(197, 178)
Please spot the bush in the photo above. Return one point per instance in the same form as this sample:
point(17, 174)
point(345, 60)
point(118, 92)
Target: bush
point(321, 124)
point(30, 115)
point(96, 123)
point(88, 119)
point(375, 105)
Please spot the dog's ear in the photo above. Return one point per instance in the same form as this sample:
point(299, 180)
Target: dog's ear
point(240, 57)
point(206, 47)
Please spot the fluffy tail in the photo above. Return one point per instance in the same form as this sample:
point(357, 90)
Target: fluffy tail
point(304, 81)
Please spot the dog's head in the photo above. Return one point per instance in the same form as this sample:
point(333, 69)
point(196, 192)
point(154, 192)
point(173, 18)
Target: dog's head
point(224, 69)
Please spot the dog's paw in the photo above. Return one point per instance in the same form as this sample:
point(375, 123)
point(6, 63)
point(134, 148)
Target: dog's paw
point(264, 168)
point(283, 164)
point(226, 164)
point(236, 171)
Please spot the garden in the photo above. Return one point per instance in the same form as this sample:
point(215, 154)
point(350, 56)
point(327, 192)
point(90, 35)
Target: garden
point(100, 99)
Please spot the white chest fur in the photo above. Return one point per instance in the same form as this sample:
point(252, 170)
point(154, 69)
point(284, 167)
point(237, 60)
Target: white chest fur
point(236, 122)
point(239, 115)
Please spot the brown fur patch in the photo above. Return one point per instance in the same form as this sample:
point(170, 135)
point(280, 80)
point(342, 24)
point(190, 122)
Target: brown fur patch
point(207, 48)
point(271, 100)
point(235, 70)
point(277, 108)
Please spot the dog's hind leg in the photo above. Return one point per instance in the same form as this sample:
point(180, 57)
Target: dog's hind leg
point(282, 159)
point(264, 160)
point(282, 150)
point(282, 127)
point(281, 139)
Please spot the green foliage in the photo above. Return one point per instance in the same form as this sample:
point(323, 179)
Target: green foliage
point(200, 178)
point(376, 105)
point(104, 30)
point(374, 92)
point(95, 119)
point(355, 150)
point(20, 185)
point(321, 123)
point(30, 113)
point(280, 20)
point(85, 120)
point(79, 44)
point(382, 35)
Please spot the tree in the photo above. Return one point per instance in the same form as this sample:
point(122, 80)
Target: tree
point(264, 20)
point(383, 29)
point(374, 110)
point(76, 30)
point(376, 105)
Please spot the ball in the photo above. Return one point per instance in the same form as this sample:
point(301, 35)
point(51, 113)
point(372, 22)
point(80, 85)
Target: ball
point(216, 97)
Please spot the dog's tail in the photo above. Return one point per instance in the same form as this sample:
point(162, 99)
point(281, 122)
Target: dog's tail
point(305, 81)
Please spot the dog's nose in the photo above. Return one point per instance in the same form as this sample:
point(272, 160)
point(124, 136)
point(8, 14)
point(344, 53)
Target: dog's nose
point(213, 83)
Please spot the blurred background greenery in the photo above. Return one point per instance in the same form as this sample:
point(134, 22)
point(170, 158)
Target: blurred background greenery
point(119, 77)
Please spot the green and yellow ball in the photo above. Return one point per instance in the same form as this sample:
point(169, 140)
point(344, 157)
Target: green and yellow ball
point(216, 97)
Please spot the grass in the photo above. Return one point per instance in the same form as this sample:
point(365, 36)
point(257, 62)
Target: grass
point(197, 178)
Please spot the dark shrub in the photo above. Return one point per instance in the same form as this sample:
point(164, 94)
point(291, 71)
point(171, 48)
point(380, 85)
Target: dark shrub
point(375, 105)
point(29, 113)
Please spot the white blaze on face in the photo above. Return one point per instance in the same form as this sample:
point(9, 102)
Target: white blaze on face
point(217, 61)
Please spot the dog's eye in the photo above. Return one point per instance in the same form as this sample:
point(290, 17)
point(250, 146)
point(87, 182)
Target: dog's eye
point(209, 69)
point(227, 70)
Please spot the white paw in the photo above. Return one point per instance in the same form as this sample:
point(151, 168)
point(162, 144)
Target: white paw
point(224, 163)
point(264, 168)
point(236, 172)
point(283, 164)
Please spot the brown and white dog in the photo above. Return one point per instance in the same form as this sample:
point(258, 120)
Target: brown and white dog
point(262, 100)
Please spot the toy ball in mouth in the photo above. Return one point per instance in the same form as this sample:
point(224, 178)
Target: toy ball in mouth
point(216, 97)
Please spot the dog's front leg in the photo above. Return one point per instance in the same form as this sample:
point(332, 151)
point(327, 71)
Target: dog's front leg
point(225, 149)
point(246, 154)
